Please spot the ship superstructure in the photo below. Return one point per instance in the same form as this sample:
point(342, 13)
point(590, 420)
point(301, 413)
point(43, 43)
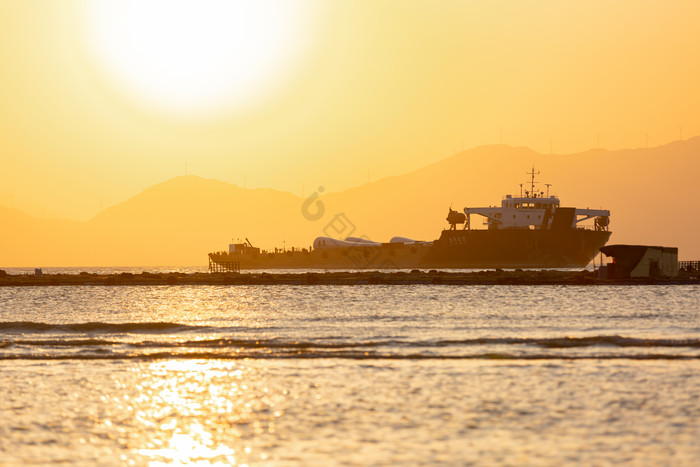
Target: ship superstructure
point(535, 210)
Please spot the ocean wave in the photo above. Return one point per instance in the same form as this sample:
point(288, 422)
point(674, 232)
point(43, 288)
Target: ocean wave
point(131, 346)
point(569, 342)
point(208, 343)
point(97, 335)
point(163, 340)
point(97, 327)
point(333, 355)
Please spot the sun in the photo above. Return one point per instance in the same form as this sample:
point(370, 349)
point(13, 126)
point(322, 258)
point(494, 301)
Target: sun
point(197, 57)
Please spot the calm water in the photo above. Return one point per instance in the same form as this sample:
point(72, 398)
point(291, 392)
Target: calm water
point(350, 375)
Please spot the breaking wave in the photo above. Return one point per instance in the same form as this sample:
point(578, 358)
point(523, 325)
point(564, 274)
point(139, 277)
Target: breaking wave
point(97, 327)
point(162, 340)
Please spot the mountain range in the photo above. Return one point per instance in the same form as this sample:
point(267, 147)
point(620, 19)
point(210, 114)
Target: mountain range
point(650, 193)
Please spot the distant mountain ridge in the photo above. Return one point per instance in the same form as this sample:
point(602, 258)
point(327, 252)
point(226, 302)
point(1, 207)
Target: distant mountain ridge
point(649, 191)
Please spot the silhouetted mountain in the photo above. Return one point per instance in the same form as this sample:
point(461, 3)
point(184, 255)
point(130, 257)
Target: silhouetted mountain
point(177, 222)
point(162, 224)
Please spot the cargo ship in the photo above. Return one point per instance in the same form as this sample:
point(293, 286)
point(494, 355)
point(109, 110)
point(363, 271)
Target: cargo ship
point(531, 230)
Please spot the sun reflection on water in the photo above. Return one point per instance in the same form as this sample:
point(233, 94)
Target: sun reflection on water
point(201, 412)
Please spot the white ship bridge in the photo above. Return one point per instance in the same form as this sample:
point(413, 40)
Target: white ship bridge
point(535, 210)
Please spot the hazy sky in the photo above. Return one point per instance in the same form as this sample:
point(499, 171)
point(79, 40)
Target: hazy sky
point(102, 99)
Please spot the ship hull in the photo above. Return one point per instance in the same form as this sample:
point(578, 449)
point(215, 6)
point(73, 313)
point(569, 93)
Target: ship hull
point(505, 248)
point(517, 248)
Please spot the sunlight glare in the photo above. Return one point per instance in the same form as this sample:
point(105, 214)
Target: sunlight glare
point(186, 404)
point(197, 57)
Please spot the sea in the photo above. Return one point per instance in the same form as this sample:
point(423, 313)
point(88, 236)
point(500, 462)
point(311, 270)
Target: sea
point(319, 375)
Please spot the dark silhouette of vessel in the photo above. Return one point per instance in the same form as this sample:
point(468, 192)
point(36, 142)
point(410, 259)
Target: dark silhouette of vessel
point(528, 231)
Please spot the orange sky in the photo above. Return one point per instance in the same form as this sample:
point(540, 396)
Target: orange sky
point(350, 87)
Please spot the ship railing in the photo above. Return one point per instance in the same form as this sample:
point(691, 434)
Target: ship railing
point(689, 266)
point(590, 227)
point(224, 266)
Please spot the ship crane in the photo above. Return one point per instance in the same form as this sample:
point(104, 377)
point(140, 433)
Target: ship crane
point(454, 218)
point(602, 222)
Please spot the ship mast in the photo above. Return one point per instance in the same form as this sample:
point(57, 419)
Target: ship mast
point(532, 182)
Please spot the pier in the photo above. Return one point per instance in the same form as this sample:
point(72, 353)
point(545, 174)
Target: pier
point(224, 266)
point(415, 277)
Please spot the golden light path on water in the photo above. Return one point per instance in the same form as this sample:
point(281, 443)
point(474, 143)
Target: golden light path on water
point(187, 415)
point(264, 412)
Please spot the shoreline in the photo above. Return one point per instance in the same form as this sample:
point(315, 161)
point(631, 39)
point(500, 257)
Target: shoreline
point(415, 277)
